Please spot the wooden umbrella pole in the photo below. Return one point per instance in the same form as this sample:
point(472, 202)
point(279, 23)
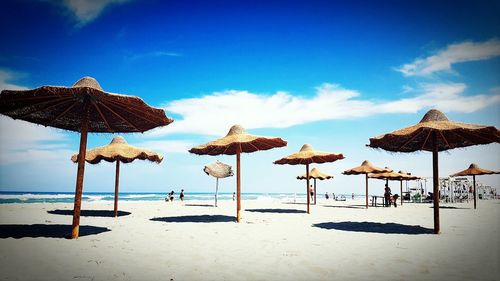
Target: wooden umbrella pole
point(308, 195)
point(314, 191)
point(401, 189)
point(474, 190)
point(435, 181)
point(238, 186)
point(117, 181)
point(216, 190)
point(366, 192)
point(80, 172)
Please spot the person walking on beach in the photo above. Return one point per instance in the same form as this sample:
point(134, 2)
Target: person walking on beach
point(387, 195)
point(311, 190)
point(326, 196)
point(352, 196)
point(171, 197)
point(181, 196)
point(234, 195)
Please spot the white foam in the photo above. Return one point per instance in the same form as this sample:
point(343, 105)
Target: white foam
point(142, 195)
point(28, 196)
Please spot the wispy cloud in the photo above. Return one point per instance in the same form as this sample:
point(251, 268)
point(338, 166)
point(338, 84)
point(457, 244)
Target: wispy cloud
point(214, 114)
point(166, 146)
point(30, 143)
point(444, 96)
point(86, 11)
point(443, 60)
point(154, 54)
point(6, 78)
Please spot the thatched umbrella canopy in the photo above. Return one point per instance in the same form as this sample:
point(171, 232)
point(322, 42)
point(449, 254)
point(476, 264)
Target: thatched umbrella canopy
point(436, 133)
point(307, 155)
point(218, 170)
point(315, 174)
point(83, 108)
point(238, 141)
point(474, 171)
point(120, 151)
point(366, 168)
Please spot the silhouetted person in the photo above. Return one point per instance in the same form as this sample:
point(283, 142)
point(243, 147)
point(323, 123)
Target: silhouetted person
point(387, 195)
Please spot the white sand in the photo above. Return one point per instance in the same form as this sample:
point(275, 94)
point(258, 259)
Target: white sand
point(269, 245)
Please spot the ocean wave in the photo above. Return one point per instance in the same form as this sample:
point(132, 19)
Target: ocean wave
point(68, 197)
point(141, 195)
point(28, 196)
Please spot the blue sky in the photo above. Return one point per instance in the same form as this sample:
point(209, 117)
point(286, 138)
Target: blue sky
point(332, 74)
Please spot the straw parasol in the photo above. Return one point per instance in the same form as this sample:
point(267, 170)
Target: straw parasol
point(83, 108)
point(474, 171)
point(120, 151)
point(366, 168)
point(218, 170)
point(306, 156)
point(315, 174)
point(238, 141)
point(436, 133)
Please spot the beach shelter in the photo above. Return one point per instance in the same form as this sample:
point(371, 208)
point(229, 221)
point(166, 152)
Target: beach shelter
point(393, 176)
point(474, 171)
point(218, 170)
point(366, 168)
point(408, 177)
point(83, 108)
point(118, 151)
point(436, 133)
point(307, 155)
point(315, 174)
point(238, 141)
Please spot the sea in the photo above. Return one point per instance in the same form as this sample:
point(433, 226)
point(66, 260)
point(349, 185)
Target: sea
point(68, 197)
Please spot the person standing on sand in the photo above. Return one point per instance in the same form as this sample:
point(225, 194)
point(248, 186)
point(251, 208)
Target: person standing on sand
point(311, 190)
point(387, 195)
point(181, 196)
point(326, 196)
point(352, 196)
point(234, 195)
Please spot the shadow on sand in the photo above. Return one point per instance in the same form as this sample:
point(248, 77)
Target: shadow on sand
point(46, 230)
point(199, 205)
point(450, 207)
point(280, 211)
point(199, 218)
point(375, 227)
point(347, 207)
point(90, 213)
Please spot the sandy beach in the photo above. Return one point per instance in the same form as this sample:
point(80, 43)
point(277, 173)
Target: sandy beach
point(276, 240)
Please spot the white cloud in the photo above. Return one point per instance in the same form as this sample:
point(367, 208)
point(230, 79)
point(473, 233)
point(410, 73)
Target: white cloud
point(155, 54)
point(172, 146)
point(86, 11)
point(30, 142)
point(445, 96)
point(214, 114)
point(454, 53)
point(5, 78)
